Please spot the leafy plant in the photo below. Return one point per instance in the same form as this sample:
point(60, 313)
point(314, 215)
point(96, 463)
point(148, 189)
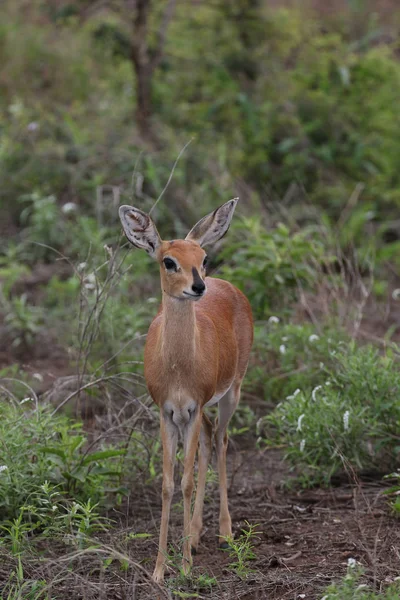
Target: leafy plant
point(394, 492)
point(18, 586)
point(351, 421)
point(23, 321)
point(287, 356)
point(269, 265)
point(15, 532)
point(241, 550)
point(352, 588)
point(79, 471)
point(37, 447)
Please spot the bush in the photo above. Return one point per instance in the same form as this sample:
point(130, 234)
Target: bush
point(352, 588)
point(352, 421)
point(287, 356)
point(37, 447)
point(269, 265)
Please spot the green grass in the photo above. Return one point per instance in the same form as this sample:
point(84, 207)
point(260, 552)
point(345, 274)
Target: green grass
point(353, 588)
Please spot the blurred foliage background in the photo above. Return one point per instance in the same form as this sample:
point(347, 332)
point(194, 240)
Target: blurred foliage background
point(291, 105)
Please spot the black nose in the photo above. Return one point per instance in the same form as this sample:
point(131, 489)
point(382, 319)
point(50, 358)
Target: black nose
point(198, 287)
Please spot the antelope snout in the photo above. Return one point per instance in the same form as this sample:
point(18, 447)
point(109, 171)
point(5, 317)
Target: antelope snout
point(199, 287)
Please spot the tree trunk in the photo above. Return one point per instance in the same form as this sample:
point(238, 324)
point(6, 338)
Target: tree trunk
point(143, 110)
point(142, 67)
point(145, 61)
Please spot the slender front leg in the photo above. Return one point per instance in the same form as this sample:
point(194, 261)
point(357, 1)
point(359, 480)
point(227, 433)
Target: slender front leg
point(203, 462)
point(191, 439)
point(169, 436)
point(227, 407)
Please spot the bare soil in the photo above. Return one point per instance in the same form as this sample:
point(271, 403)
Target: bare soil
point(305, 539)
point(305, 536)
point(304, 542)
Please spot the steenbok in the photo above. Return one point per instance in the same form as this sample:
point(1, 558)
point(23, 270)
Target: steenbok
point(196, 355)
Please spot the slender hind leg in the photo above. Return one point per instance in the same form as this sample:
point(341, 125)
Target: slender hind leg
point(227, 406)
point(204, 460)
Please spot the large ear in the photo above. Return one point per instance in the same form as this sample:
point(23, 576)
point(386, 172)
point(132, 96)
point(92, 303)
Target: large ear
point(139, 229)
point(213, 226)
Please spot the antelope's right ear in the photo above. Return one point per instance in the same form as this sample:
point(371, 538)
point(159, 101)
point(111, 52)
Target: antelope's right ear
point(139, 229)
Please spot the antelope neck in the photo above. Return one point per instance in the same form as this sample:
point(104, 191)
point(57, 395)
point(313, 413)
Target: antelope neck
point(179, 329)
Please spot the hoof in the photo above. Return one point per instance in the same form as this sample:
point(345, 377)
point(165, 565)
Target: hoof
point(158, 576)
point(224, 546)
point(193, 550)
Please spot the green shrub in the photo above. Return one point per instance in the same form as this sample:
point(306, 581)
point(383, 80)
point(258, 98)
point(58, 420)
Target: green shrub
point(49, 230)
point(22, 321)
point(287, 356)
point(269, 265)
point(352, 587)
point(394, 492)
point(351, 421)
point(36, 447)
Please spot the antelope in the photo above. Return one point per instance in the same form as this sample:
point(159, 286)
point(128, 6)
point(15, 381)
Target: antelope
point(196, 354)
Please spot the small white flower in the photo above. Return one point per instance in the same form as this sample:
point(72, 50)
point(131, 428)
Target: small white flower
point(315, 390)
point(396, 294)
point(313, 338)
point(302, 595)
point(299, 420)
point(38, 376)
point(351, 562)
point(81, 266)
point(327, 383)
point(285, 338)
point(302, 445)
point(295, 393)
point(69, 207)
point(282, 349)
point(152, 300)
point(273, 320)
point(33, 126)
point(3, 468)
point(321, 365)
point(346, 420)
point(27, 399)
point(90, 281)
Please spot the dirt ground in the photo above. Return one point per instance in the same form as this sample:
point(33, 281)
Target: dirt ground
point(305, 536)
point(304, 542)
point(305, 539)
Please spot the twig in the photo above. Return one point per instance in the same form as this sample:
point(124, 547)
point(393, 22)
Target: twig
point(171, 175)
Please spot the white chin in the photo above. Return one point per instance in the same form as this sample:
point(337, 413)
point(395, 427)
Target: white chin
point(193, 297)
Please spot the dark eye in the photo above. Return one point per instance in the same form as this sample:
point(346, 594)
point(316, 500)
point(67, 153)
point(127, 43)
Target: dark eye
point(170, 264)
point(205, 262)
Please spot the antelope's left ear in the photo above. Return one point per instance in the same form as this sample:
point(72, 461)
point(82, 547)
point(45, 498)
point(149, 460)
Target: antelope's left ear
point(213, 226)
point(139, 229)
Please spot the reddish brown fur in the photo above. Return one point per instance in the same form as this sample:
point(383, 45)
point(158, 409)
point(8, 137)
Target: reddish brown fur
point(221, 326)
point(217, 330)
point(197, 351)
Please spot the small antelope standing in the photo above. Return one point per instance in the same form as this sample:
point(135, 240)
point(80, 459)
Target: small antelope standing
point(196, 355)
